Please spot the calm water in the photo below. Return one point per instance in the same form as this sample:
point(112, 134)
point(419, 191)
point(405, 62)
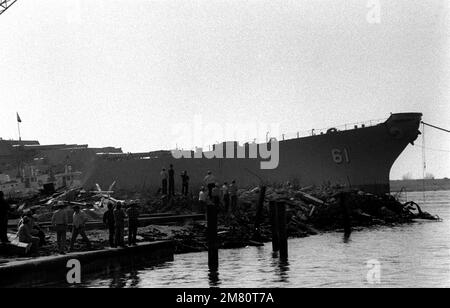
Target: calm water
point(413, 255)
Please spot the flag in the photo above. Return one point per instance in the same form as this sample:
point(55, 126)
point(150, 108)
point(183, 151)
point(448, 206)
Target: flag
point(18, 118)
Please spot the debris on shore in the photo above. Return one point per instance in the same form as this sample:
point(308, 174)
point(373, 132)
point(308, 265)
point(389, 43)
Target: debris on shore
point(310, 210)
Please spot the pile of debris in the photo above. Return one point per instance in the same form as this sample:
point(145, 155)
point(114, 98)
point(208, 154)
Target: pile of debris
point(321, 207)
point(309, 210)
point(93, 203)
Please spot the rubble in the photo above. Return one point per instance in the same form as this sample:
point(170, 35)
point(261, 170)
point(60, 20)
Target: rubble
point(310, 210)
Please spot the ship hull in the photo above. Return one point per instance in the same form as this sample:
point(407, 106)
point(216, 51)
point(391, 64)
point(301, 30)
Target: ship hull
point(357, 158)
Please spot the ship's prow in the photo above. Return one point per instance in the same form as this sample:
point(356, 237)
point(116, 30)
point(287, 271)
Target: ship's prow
point(360, 157)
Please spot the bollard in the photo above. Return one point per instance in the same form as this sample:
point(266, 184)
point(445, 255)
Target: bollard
point(274, 224)
point(282, 232)
point(213, 252)
point(345, 215)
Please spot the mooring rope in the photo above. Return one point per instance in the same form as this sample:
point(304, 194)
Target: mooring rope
point(424, 163)
point(434, 126)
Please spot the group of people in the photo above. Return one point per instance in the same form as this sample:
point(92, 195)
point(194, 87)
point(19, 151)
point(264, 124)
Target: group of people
point(225, 194)
point(113, 218)
point(60, 222)
point(168, 182)
point(28, 231)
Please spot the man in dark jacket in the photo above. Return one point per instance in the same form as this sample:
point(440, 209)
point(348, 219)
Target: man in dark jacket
point(164, 177)
point(108, 220)
point(184, 183)
point(4, 208)
point(119, 220)
point(133, 215)
point(171, 181)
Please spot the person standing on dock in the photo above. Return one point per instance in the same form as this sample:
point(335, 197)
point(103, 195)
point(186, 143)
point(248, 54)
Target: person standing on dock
point(225, 196)
point(171, 181)
point(108, 220)
point(233, 194)
point(202, 199)
point(215, 195)
point(60, 222)
point(184, 183)
point(79, 227)
point(133, 222)
point(119, 218)
point(4, 208)
point(210, 181)
point(164, 177)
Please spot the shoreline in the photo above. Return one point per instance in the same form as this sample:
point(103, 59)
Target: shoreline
point(310, 211)
point(50, 269)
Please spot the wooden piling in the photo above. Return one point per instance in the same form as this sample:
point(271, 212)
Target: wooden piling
point(164, 201)
point(345, 215)
point(213, 251)
point(282, 232)
point(259, 210)
point(274, 225)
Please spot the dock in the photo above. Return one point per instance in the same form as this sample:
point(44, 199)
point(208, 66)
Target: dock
point(144, 220)
point(40, 271)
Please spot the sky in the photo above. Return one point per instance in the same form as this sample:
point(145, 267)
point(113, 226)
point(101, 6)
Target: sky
point(141, 74)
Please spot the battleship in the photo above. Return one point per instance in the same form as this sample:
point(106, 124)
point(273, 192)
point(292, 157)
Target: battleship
point(359, 156)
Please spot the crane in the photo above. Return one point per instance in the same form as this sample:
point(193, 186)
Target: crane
point(5, 4)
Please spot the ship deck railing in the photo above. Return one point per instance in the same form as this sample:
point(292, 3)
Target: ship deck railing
point(321, 131)
point(308, 133)
point(282, 137)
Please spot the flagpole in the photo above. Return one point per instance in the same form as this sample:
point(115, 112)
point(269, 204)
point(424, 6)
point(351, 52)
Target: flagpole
point(19, 120)
point(18, 128)
point(19, 165)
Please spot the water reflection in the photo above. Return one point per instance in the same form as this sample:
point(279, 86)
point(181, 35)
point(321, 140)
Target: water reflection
point(118, 280)
point(330, 259)
point(346, 238)
point(122, 279)
point(281, 269)
point(213, 277)
point(260, 253)
point(134, 279)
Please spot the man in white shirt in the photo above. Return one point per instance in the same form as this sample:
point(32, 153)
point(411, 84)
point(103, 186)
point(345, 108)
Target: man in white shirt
point(210, 181)
point(225, 196)
point(202, 199)
point(78, 227)
point(60, 222)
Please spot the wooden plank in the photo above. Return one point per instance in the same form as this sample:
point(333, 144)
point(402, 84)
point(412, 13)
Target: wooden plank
point(14, 247)
point(309, 198)
point(143, 221)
